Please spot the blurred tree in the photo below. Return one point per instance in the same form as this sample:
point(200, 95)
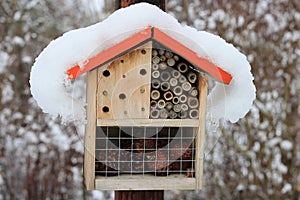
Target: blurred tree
point(39, 158)
point(258, 157)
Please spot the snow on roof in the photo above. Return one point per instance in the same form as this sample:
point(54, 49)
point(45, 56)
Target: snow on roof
point(48, 78)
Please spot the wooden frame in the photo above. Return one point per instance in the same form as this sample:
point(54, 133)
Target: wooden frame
point(90, 132)
point(121, 59)
point(142, 182)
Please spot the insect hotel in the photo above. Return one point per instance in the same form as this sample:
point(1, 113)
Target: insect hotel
point(146, 99)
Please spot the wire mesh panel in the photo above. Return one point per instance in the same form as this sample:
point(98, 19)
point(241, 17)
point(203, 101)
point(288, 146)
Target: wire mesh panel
point(159, 151)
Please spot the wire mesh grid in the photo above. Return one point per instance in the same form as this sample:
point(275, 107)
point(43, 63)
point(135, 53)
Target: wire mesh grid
point(159, 151)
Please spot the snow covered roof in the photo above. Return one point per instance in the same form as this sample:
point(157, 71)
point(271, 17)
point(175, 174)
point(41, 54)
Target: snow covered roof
point(49, 77)
point(156, 35)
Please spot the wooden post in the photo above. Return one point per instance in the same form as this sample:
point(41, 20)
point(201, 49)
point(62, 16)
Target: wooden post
point(136, 195)
point(162, 4)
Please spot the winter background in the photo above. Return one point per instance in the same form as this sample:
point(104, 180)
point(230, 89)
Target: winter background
point(256, 158)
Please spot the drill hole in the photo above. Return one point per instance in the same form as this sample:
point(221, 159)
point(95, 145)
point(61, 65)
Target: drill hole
point(143, 51)
point(105, 109)
point(143, 72)
point(106, 73)
point(122, 61)
point(122, 96)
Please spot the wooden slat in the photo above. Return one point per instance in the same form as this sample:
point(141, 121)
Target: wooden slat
point(146, 182)
point(130, 76)
point(200, 137)
point(149, 122)
point(90, 131)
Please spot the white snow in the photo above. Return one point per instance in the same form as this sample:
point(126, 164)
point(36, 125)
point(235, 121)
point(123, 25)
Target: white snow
point(274, 141)
point(48, 77)
point(286, 188)
point(18, 41)
point(240, 187)
point(3, 60)
point(286, 145)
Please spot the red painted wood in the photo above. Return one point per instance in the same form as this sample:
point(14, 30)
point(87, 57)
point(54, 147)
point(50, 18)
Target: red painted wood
point(111, 53)
point(201, 63)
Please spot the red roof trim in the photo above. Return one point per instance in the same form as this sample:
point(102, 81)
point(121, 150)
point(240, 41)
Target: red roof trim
point(201, 63)
point(159, 36)
point(110, 53)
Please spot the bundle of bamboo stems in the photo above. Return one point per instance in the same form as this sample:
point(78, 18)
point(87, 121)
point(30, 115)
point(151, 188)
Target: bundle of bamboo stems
point(174, 92)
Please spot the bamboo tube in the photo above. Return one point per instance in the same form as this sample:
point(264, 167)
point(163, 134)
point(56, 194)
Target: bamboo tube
point(186, 86)
point(173, 82)
point(168, 96)
point(173, 114)
point(165, 76)
point(154, 113)
point(175, 100)
point(155, 74)
point(193, 91)
point(155, 60)
point(177, 108)
point(171, 62)
point(155, 94)
point(177, 90)
point(161, 51)
point(161, 103)
point(169, 106)
point(193, 102)
point(184, 107)
point(154, 52)
point(163, 58)
point(176, 58)
point(165, 86)
point(194, 114)
point(182, 67)
point(168, 54)
point(192, 77)
point(182, 98)
point(183, 114)
point(155, 84)
point(163, 65)
point(155, 66)
point(182, 79)
point(163, 114)
point(153, 104)
point(175, 73)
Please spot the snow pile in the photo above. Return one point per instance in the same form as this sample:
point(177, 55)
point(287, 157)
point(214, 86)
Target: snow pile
point(49, 80)
point(286, 145)
point(3, 60)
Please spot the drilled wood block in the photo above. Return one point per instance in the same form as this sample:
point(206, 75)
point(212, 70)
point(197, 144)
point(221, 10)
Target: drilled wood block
point(123, 87)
